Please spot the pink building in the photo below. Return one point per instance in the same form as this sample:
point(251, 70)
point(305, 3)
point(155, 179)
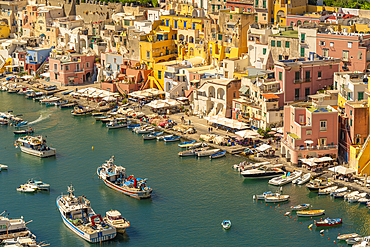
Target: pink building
point(299, 78)
point(352, 48)
point(297, 20)
point(72, 69)
point(309, 132)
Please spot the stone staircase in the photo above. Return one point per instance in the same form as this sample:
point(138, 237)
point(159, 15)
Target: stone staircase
point(42, 68)
point(177, 91)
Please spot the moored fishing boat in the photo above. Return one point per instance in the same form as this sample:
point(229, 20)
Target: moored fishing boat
point(207, 152)
point(98, 118)
point(327, 191)
point(67, 92)
point(339, 190)
point(61, 102)
point(81, 111)
point(328, 222)
point(352, 194)
point(23, 132)
point(347, 236)
point(361, 200)
point(317, 184)
point(69, 105)
point(81, 219)
point(49, 100)
point(192, 152)
point(133, 126)
point(340, 194)
point(186, 144)
point(161, 138)
point(300, 207)
point(196, 145)
point(117, 123)
point(310, 213)
point(115, 219)
point(262, 172)
point(115, 178)
point(35, 146)
point(277, 198)
point(217, 155)
point(12, 228)
point(171, 139)
point(145, 130)
point(152, 136)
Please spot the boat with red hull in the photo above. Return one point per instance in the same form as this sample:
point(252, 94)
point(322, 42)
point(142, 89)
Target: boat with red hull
point(328, 222)
point(115, 178)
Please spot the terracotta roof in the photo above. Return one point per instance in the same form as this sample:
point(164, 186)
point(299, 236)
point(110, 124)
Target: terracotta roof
point(270, 96)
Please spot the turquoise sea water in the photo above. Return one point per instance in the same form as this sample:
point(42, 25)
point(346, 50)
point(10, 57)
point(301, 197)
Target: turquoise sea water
point(191, 196)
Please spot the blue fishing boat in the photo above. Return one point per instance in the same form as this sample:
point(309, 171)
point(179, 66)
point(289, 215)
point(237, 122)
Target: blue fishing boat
point(172, 139)
point(185, 144)
point(131, 126)
point(67, 92)
point(152, 136)
point(50, 103)
point(19, 124)
point(218, 155)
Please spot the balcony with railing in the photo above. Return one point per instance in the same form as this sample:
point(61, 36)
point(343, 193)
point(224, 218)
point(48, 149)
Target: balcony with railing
point(309, 147)
point(303, 80)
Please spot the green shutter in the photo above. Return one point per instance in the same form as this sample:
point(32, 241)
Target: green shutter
point(273, 43)
point(286, 44)
point(280, 75)
point(302, 51)
point(303, 36)
point(264, 51)
point(279, 44)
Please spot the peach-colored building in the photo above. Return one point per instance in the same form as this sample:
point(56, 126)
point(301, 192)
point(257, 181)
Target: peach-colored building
point(72, 69)
point(351, 48)
point(309, 132)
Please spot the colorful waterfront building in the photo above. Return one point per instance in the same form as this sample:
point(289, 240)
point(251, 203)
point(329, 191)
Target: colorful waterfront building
point(300, 78)
point(35, 57)
point(246, 5)
point(309, 132)
point(72, 69)
point(351, 48)
point(351, 86)
point(284, 45)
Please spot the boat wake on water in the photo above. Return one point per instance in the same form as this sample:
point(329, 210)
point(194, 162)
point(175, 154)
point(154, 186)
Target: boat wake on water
point(42, 117)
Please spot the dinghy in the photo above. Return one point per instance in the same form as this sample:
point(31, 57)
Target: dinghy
point(186, 144)
point(218, 155)
point(226, 224)
point(300, 207)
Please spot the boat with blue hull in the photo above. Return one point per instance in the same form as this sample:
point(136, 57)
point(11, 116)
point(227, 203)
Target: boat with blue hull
point(171, 139)
point(186, 144)
point(115, 178)
point(80, 218)
point(218, 155)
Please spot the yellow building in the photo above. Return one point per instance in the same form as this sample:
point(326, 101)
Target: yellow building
point(282, 8)
point(4, 30)
point(190, 35)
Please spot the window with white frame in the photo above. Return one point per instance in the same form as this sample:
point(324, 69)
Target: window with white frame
point(331, 44)
point(322, 43)
point(349, 44)
point(323, 125)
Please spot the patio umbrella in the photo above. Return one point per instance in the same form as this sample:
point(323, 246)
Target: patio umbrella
point(278, 135)
point(271, 132)
point(308, 142)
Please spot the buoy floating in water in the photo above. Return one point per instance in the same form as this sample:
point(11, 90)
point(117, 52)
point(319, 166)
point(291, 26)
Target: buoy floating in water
point(92, 147)
point(254, 197)
point(322, 231)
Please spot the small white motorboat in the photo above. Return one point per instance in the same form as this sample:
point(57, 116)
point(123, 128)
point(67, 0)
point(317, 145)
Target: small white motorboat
point(285, 179)
point(226, 224)
point(327, 191)
point(27, 188)
point(207, 152)
point(161, 138)
point(339, 190)
point(354, 193)
point(363, 200)
point(277, 198)
point(115, 219)
point(3, 167)
point(303, 179)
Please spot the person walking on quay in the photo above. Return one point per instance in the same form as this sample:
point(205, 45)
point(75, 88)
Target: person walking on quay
point(189, 122)
point(209, 130)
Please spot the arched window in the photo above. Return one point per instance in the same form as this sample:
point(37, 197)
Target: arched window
point(359, 55)
point(299, 23)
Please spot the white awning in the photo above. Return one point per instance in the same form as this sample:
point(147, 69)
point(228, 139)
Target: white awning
point(342, 170)
point(47, 74)
point(263, 147)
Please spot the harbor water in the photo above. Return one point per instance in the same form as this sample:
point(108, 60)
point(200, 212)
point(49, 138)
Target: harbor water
point(191, 196)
